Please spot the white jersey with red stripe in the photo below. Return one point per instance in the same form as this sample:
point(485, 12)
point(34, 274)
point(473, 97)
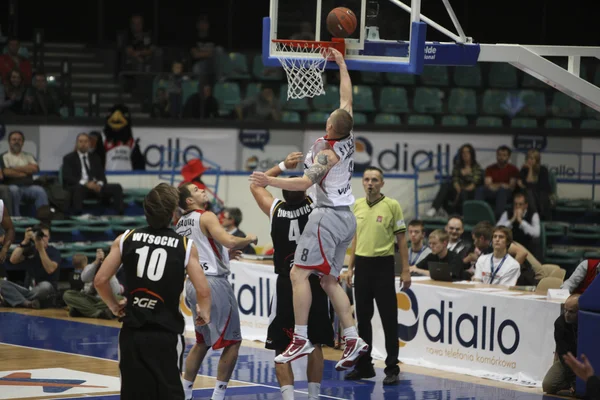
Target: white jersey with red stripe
point(334, 189)
point(213, 256)
point(1, 209)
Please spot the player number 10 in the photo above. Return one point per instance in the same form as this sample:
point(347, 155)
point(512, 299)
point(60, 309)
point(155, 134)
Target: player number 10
point(156, 266)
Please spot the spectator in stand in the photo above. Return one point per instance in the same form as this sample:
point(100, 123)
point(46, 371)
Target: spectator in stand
point(140, 52)
point(40, 261)
point(12, 60)
point(560, 376)
point(418, 250)
point(206, 53)
point(524, 223)
point(40, 99)
point(263, 107)
point(97, 146)
point(232, 218)
point(455, 229)
point(438, 243)
point(12, 93)
point(175, 89)
point(85, 302)
point(498, 267)
point(18, 168)
point(467, 176)
point(161, 107)
point(534, 178)
point(84, 177)
point(582, 277)
point(201, 104)
point(500, 181)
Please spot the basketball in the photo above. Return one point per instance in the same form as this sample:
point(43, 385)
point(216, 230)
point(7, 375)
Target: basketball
point(341, 22)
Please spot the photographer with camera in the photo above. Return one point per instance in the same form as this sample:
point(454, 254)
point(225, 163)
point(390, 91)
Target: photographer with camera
point(87, 302)
point(41, 264)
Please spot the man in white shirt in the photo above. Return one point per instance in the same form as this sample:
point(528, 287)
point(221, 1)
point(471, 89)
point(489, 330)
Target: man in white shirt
point(418, 249)
point(523, 221)
point(499, 267)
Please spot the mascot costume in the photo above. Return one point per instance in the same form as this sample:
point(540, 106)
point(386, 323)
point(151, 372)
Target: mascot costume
point(122, 151)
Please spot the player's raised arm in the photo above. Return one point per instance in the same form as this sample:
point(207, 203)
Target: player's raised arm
point(324, 161)
point(345, 82)
point(216, 231)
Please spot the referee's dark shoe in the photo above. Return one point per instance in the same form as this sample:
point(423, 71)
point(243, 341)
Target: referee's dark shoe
point(357, 374)
point(391, 379)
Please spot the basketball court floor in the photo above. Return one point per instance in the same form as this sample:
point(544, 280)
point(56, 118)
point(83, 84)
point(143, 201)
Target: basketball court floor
point(48, 355)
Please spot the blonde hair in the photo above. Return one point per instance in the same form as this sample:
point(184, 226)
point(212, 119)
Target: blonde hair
point(533, 153)
point(440, 234)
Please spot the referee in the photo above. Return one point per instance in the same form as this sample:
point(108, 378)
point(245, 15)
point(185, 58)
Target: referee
point(379, 224)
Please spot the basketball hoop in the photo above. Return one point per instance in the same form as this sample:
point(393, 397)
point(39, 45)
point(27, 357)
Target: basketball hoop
point(304, 63)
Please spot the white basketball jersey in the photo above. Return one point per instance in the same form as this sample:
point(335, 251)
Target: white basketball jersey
point(335, 188)
point(213, 257)
point(118, 156)
point(1, 209)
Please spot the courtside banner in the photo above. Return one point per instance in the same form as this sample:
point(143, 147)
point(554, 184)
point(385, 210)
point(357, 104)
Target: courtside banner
point(171, 146)
point(401, 153)
point(254, 286)
point(468, 331)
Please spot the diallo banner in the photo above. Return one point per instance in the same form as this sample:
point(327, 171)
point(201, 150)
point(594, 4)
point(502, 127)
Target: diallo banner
point(468, 331)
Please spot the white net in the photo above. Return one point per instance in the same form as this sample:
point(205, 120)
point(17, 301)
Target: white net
point(304, 75)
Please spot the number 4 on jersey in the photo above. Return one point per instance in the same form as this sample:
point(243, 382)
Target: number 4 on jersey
point(294, 233)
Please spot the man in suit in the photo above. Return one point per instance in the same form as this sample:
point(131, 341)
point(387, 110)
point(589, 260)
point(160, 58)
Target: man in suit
point(232, 218)
point(83, 177)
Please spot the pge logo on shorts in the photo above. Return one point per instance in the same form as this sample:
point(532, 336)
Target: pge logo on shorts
point(408, 316)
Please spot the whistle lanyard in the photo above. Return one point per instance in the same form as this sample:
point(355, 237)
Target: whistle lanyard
point(412, 261)
point(494, 272)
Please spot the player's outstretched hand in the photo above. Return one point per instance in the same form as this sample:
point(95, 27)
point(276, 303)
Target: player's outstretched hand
point(259, 179)
point(292, 159)
point(253, 238)
point(118, 309)
point(202, 316)
point(405, 279)
point(584, 369)
point(235, 254)
point(337, 56)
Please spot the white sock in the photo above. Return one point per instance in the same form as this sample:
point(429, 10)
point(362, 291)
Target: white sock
point(287, 392)
point(351, 332)
point(301, 330)
point(219, 392)
point(187, 388)
point(314, 388)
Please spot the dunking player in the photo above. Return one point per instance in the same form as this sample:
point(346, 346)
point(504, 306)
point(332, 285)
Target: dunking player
point(322, 246)
point(223, 331)
point(155, 260)
point(288, 219)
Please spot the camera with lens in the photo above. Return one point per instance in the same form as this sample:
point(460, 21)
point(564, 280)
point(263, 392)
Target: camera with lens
point(29, 250)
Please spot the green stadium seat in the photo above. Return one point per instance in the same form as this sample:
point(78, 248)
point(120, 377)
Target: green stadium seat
point(454, 120)
point(228, 95)
point(558, 123)
point(265, 74)
point(585, 232)
point(291, 117)
point(523, 123)
point(555, 229)
point(393, 100)
point(189, 87)
point(565, 106)
point(371, 77)
point(400, 79)
point(329, 101)
point(468, 76)
point(359, 118)
point(252, 90)
point(590, 124)
point(387, 119)
point(475, 211)
point(77, 112)
point(435, 75)
point(22, 223)
point(235, 66)
point(489, 122)
point(590, 112)
point(421, 120)
point(462, 101)
point(363, 98)
point(535, 103)
point(317, 117)
point(428, 100)
point(502, 75)
point(493, 100)
point(530, 82)
point(293, 104)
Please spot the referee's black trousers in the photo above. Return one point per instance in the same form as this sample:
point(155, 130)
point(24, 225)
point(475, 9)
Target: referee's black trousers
point(374, 279)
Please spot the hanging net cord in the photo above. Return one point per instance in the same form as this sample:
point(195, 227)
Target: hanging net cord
point(304, 75)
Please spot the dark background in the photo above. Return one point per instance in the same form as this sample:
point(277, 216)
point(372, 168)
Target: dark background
point(238, 23)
